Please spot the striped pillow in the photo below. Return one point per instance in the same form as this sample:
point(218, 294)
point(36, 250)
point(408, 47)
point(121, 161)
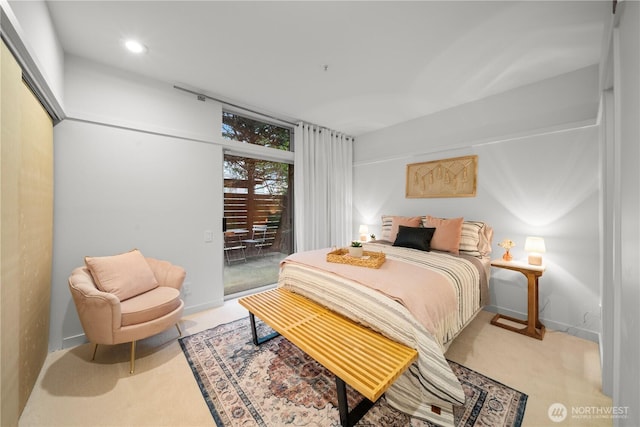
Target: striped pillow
point(387, 222)
point(470, 238)
point(390, 224)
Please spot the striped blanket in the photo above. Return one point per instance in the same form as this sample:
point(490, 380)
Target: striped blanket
point(421, 299)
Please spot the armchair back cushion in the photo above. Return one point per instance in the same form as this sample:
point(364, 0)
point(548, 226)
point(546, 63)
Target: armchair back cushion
point(125, 275)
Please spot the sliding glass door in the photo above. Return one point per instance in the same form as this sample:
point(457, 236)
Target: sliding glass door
point(257, 209)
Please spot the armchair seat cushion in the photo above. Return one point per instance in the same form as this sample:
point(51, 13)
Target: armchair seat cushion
point(150, 305)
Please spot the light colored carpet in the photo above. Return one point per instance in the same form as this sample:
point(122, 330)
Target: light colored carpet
point(73, 391)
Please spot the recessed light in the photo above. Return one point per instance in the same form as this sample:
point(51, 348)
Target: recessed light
point(135, 46)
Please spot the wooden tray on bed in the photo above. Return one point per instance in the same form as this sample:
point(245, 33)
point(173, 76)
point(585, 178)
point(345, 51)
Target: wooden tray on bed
point(369, 259)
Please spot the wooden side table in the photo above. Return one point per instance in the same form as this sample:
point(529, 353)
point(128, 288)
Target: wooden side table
point(533, 327)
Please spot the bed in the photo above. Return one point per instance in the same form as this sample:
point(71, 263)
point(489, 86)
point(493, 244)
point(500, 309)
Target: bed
point(420, 298)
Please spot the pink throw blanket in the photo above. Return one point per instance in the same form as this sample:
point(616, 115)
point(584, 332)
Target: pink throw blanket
point(427, 294)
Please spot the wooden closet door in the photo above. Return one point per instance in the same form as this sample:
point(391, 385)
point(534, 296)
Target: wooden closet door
point(36, 239)
point(10, 153)
point(26, 223)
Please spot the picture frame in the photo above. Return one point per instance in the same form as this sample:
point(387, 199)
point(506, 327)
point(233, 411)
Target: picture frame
point(452, 177)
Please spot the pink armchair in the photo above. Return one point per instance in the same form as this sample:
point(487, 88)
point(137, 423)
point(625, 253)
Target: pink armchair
point(127, 297)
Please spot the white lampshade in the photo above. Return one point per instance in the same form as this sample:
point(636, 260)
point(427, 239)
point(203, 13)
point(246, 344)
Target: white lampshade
point(363, 231)
point(535, 247)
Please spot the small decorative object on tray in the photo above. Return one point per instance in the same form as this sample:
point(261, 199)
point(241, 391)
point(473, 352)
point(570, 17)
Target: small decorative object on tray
point(368, 258)
point(356, 250)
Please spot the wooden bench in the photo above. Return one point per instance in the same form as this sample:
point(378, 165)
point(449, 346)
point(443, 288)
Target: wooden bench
point(355, 354)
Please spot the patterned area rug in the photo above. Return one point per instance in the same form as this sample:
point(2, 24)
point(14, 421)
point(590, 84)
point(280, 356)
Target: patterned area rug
point(276, 384)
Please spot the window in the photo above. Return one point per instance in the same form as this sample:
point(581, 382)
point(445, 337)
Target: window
point(251, 131)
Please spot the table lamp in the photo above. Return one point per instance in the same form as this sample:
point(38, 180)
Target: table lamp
point(535, 247)
point(363, 230)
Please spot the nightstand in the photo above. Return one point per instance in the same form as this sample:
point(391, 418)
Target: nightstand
point(533, 327)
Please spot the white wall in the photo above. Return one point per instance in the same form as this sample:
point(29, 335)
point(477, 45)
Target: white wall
point(626, 285)
point(103, 94)
point(136, 166)
point(527, 110)
point(543, 182)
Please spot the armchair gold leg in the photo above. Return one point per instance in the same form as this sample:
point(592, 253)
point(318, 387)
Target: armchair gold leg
point(178, 328)
point(133, 357)
point(95, 349)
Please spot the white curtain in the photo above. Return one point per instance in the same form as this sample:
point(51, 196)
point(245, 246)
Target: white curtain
point(323, 188)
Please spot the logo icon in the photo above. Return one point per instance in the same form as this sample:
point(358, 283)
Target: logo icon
point(557, 412)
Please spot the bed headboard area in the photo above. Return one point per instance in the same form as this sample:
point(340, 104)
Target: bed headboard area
point(455, 235)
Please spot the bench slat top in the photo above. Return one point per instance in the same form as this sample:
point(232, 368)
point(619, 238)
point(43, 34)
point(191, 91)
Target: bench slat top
point(366, 360)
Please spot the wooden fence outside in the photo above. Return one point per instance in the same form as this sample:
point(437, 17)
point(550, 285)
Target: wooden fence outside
point(240, 212)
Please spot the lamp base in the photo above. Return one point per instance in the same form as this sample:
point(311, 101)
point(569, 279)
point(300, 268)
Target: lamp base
point(535, 259)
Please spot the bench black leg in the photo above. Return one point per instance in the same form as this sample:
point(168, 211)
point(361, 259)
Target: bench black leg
point(254, 332)
point(347, 419)
point(350, 419)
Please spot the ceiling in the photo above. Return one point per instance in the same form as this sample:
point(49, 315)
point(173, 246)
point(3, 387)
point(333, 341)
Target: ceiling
point(355, 66)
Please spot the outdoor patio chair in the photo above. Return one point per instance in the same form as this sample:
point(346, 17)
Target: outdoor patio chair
point(234, 248)
point(258, 238)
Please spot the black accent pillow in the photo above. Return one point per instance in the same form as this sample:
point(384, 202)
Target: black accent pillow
point(414, 237)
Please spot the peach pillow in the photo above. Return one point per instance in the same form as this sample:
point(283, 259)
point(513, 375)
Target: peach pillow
point(407, 221)
point(125, 275)
point(447, 235)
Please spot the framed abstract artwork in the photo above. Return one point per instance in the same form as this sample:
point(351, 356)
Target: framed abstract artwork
point(454, 177)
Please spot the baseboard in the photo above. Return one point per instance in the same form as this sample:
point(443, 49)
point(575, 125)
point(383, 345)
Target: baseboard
point(74, 341)
point(80, 339)
point(249, 292)
point(550, 324)
point(193, 309)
